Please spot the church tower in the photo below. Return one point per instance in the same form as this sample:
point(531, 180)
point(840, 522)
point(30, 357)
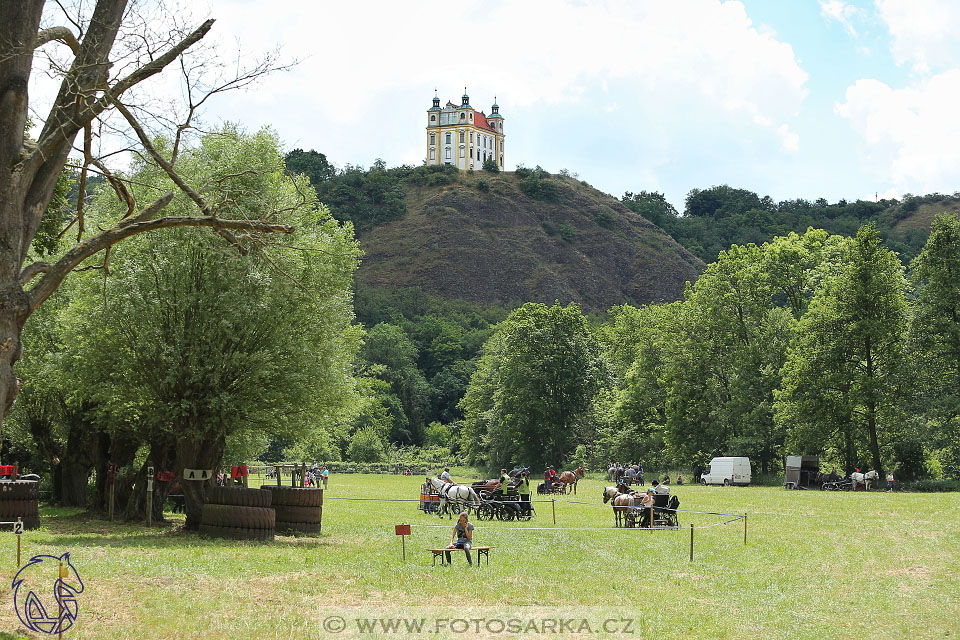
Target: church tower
point(462, 136)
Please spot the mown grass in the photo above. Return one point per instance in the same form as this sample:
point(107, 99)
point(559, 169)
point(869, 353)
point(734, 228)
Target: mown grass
point(817, 565)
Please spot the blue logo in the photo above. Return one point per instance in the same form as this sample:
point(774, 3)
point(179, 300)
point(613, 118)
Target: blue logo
point(47, 616)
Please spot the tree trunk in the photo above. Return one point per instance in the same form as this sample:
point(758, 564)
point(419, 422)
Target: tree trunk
point(872, 411)
point(162, 456)
point(197, 452)
point(112, 451)
point(73, 477)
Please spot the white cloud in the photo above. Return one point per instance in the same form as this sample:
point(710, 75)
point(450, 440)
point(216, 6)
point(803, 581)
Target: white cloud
point(370, 67)
point(789, 139)
point(912, 134)
point(840, 11)
point(923, 31)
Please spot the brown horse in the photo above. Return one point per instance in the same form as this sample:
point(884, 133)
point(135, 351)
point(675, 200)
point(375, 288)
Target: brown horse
point(624, 510)
point(569, 479)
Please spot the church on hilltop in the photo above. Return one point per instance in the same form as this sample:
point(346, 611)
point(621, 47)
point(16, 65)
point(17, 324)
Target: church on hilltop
point(462, 136)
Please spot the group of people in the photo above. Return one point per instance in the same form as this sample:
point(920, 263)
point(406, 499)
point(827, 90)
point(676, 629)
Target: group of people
point(316, 475)
point(627, 473)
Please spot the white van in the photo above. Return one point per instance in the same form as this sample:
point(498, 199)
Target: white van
point(727, 471)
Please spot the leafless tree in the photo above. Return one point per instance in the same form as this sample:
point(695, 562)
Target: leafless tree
point(103, 52)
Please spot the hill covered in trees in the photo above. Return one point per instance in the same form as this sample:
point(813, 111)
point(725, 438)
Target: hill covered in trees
point(500, 238)
point(716, 218)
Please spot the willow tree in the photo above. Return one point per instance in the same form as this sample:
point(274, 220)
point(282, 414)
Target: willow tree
point(102, 52)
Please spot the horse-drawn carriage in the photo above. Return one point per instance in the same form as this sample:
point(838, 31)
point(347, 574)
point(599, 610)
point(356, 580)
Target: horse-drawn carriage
point(565, 482)
point(856, 481)
point(504, 507)
point(429, 499)
point(628, 510)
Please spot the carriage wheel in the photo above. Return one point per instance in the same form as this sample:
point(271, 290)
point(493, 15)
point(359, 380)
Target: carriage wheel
point(504, 514)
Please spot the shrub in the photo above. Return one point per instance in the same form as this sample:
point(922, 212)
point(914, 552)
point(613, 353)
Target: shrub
point(567, 232)
point(490, 165)
point(483, 185)
point(931, 486)
point(604, 218)
point(366, 445)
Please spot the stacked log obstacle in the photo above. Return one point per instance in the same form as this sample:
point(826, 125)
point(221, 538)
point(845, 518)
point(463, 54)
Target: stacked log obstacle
point(298, 509)
point(18, 499)
point(238, 513)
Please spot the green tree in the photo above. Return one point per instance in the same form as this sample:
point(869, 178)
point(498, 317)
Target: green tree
point(201, 343)
point(653, 206)
point(367, 445)
point(935, 333)
point(312, 164)
point(100, 34)
point(843, 374)
point(389, 346)
point(532, 391)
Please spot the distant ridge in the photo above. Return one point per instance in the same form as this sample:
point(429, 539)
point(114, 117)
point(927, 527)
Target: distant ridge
point(510, 239)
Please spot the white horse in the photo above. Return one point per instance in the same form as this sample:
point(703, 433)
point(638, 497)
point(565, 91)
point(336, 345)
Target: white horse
point(456, 493)
point(863, 478)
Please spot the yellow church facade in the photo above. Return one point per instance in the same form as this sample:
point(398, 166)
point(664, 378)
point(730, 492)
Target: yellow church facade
point(463, 136)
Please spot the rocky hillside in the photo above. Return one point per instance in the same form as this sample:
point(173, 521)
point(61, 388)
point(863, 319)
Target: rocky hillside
point(499, 238)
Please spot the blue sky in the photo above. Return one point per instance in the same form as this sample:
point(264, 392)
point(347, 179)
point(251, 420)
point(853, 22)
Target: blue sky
point(789, 98)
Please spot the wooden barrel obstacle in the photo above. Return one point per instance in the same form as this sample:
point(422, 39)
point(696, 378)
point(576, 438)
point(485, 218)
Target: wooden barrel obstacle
point(298, 509)
point(238, 513)
point(18, 499)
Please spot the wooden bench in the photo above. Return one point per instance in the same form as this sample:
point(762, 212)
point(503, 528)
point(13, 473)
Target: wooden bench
point(439, 553)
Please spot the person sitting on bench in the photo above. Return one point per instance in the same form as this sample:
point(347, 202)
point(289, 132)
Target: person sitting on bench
point(463, 531)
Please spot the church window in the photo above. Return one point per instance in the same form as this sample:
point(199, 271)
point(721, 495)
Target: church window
point(448, 153)
point(462, 135)
point(433, 118)
point(448, 138)
point(471, 117)
point(461, 152)
point(433, 154)
point(463, 116)
point(433, 138)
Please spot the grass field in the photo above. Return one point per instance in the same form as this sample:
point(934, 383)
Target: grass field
point(817, 565)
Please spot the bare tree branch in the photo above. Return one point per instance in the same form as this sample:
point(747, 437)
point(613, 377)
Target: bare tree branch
point(62, 34)
point(134, 225)
point(33, 270)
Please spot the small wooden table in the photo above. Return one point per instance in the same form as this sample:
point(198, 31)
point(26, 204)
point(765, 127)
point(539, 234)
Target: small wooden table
point(439, 553)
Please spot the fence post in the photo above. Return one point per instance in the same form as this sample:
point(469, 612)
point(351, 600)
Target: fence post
point(279, 470)
point(149, 493)
point(19, 528)
point(744, 528)
point(691, 542)
point(651, 518)
point(553, 506)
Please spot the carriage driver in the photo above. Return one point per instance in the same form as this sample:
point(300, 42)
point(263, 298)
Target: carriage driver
point(523, 488)
point(504, 483)
point(445, 476)
point(463, 531)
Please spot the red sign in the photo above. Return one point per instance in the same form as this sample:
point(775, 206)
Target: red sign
point(402, 529)
point(165, 476)
point(238, 472)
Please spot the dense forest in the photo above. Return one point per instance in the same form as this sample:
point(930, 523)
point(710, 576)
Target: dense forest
point(822, 340)
point(732, 369)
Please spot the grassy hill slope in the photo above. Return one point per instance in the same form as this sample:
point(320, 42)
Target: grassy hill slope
point(484, 239)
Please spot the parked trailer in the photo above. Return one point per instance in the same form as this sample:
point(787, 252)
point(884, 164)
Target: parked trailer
point(801, 472)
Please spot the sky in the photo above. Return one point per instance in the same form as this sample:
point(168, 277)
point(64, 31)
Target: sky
point(788, 98)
